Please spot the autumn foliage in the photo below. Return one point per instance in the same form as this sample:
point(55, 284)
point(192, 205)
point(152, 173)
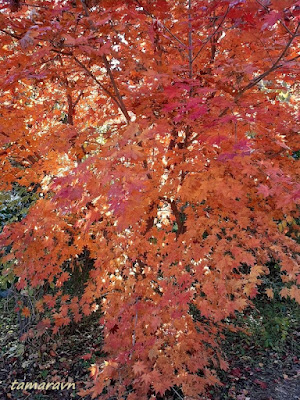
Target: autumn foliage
point(159, 144)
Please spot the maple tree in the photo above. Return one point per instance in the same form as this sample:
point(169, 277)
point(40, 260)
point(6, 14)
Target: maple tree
point(157, 139)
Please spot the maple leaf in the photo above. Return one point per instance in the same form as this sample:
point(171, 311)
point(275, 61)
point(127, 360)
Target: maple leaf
point(160, 386)
point(26, 312)
point(94, 370)
point(285, 292)
point(162, 155)
point(147, 378)
point(49, 300)
point(295, 293)
point(271, 19)
point(264, 190)
point(270, 293)
point(87, 356)
point(236, 372)
point(262, 384)
point(114, 328)
point(139, 367)
point(152, 353)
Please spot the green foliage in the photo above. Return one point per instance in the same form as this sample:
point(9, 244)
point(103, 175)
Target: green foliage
point(271, 325)
point(14, 204)
point(272, 322)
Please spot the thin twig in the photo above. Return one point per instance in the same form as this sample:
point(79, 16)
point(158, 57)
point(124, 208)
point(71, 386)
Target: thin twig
point(167, 29)
point(282, 23)
point(292, 59)
point(78, 98)
point(275, 66)
point(10, 34)
point(70, 110)
point(86, 10)
point(62, 53)
point(175, 391)
point(134, 330)
point(212, 35)
point(134, 334)
point(33, 5)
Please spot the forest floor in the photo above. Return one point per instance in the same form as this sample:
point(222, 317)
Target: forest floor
point(256, 371)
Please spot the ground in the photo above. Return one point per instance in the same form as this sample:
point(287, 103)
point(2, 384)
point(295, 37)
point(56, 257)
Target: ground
point(255, 372)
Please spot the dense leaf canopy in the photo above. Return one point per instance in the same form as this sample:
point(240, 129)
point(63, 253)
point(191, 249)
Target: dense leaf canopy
point(161, 137)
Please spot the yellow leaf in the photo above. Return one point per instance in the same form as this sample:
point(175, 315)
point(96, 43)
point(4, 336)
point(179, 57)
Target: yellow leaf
point(295, 293)
point(285, 292)
point(270, 293)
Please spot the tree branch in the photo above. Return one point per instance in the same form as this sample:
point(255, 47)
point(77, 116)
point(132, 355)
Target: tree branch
point(78, 98)
point(88, 72)
point(117, 92)
point(70, 110)
point(260, 77)
point(10, 34)
point(190, 42)
point(282, 23)
point(33, 5)
point(275, 66)
point(213, 34)
point(121, 105)
point(177, 215)
point(167, 29)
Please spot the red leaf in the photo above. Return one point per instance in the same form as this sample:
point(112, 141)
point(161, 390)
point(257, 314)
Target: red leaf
point(262, 384)
point(236, 372)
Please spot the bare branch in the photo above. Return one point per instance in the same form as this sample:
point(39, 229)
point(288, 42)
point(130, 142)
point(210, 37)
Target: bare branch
point(175, 391)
